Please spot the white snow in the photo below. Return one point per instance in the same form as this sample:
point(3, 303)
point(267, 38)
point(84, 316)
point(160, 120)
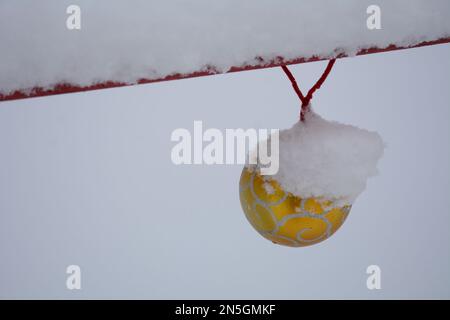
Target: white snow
point(320, 158)
point(268, 188)
point(124, 40)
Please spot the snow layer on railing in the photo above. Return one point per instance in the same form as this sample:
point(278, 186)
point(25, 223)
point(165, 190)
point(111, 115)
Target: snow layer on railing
point(125, 41)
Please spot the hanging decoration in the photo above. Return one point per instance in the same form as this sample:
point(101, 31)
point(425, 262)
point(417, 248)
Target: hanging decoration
point(323, 168)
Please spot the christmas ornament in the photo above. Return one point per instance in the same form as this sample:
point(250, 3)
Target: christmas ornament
point(323, 167)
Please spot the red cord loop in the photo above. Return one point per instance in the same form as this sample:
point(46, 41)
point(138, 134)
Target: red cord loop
point(307, 99)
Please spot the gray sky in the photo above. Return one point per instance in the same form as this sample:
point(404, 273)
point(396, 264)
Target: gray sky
point(87, 179)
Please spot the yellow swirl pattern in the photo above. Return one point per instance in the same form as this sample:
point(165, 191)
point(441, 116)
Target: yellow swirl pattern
point(286, 219)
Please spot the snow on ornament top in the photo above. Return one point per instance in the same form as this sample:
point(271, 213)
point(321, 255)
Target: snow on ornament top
point(326, 159)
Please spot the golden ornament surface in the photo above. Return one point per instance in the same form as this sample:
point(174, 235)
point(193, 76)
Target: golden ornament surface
point(284, 218)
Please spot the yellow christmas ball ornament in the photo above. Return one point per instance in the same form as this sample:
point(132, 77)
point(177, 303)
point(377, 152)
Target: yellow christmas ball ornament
point(314, 157)
point(284, 218)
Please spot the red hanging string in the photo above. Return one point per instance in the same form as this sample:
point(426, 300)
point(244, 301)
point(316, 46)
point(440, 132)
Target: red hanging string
point(307, 99)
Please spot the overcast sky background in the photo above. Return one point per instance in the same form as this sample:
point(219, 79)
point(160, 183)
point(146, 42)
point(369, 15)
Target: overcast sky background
point(87, 179)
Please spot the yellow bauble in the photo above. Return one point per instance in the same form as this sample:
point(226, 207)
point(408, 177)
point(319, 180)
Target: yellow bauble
point(284, 218)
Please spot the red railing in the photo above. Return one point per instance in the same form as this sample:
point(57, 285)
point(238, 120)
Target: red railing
point(69, 88)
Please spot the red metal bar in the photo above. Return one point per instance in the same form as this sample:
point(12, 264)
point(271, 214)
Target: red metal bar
point(69, 88)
